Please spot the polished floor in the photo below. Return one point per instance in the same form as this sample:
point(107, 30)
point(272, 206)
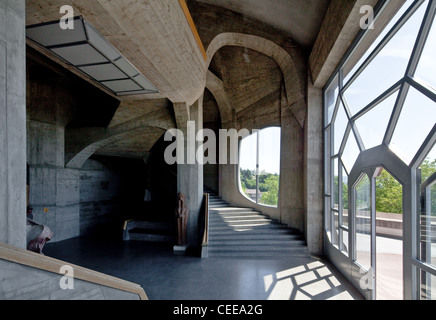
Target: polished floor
point(167, 276)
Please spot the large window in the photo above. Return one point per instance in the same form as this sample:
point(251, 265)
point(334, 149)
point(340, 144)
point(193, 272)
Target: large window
point(259, 165)
point(381, 112)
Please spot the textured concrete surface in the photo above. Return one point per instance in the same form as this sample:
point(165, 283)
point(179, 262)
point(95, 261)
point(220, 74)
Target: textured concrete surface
point(300, 19)
point(12, 124)
point(18, 282)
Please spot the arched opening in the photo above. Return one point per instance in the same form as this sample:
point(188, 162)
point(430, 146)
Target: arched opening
point(259, 166)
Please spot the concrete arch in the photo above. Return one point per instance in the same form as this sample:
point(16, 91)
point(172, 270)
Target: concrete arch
point(293, 86)
point(82, 143)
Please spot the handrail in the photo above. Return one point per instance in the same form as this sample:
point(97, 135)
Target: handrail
point(34, 260)
point(206, 221)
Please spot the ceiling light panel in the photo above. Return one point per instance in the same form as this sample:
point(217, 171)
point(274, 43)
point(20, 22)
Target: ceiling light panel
point(86, 49)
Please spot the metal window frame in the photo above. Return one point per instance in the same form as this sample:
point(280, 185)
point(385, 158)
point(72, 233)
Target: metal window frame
point(404, 173)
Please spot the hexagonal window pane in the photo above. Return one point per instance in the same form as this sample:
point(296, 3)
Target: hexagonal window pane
point(415, 123)
point(363, 222)
point(351, 152)
point(340, 125)
point(387, 67)
point(372, 125)
point(427, 64)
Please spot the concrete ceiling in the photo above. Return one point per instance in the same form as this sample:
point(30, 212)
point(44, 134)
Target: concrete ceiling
point(156, 38)
point(153, 35)
point(301, 19)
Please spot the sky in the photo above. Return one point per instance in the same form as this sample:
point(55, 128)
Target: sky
point(419, 112)
point(269, 147)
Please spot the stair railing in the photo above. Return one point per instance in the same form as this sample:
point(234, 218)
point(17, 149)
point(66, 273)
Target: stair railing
point(205, 242)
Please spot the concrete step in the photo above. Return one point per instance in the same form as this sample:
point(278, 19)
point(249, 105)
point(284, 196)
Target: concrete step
point(253, 232)
point(231, 210)
point(247, 233)
point(257, 244)
point(230, 213)
point(219, 205)
point(255, 236)
point(259, 255)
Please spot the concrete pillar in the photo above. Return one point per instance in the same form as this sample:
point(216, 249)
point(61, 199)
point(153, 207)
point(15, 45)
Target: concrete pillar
point(12, 123)
point(291, 192)
point(190, 176)
point(291, 172)
point(313, 170)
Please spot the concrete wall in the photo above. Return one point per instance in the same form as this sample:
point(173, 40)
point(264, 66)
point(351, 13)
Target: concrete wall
point(12, 123)
point(53, 190)
point(100, 189)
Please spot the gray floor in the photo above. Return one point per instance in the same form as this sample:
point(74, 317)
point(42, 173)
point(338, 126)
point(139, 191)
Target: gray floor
point(166, 276)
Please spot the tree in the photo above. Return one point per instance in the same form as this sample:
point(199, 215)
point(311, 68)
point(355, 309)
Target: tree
point(389, 194)
point(271, 197)
point(428, 168)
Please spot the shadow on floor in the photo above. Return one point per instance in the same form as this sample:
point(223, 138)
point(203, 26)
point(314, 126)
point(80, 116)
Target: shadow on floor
point(166, 276)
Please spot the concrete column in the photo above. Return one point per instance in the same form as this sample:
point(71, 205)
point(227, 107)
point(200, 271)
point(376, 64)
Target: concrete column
point(291, 172)
point(12, 123)
point(291, 192)
point(190, 177)
point(313, 170)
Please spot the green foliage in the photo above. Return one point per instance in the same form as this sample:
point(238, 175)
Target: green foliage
point(271, 196)
point(428, 168)
point(389, 194)
point(268, 185)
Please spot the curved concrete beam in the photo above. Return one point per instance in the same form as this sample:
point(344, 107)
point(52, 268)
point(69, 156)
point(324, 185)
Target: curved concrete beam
point(155, 36)
point(216, 86)
point(82, 143)
point(294, 89)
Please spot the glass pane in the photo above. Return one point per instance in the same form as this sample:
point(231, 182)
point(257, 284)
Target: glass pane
point(428, 209)
point(269, 166)
point(428, 286)
point(122, 85)
point(340, 125)
point(427, 64)
point(327, 163)
point(345, 246)
point(345, 215)
point(336, 231)
point(80, 54)
point(363, 222)
point(335, 192)
point(416, 121)
point(387, 67)
point(52, 35)
point(372, 125)
point(247, 163)
point(328, 219)
point(348, 75)
point(103, 72)
point(331, 97)
point(99, 42)
point(351, 152)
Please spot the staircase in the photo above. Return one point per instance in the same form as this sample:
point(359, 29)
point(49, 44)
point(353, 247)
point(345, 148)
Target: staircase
point(247, 233)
